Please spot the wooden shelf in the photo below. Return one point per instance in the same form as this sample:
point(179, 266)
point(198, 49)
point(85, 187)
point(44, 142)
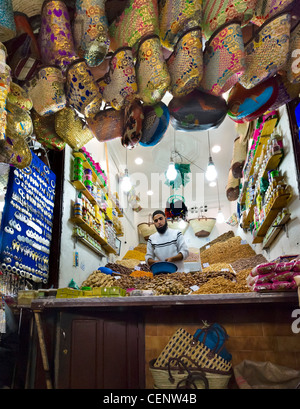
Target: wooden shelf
point(279, 204)
point(272, 163)
point(80, 186)
point(86, 165)
point(88, 244)
point(275, 231)
point(249, 217)
point(86, 227)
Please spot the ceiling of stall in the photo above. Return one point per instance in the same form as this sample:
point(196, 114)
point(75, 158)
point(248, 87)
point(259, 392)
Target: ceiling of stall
point(192, 148)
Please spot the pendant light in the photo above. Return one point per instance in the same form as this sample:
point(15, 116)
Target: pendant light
point(211, 172)
point(220, 217)
point(126, 184)
point(171, 173)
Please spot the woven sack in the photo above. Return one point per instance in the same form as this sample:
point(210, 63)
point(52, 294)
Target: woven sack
point(267, 52)
point(44, 130)
point(82, 91)
point(238, 158)
point(245, 130)
point(192, 353)
point(153, 77)
point(223, 59)
point(46, 90)
point(18, 96)
point(175, 17)
point(55, 24)
point(71, 129)
point(119, 85)
point(90, 29)
point(185, 64)
point(233, 187)
point(293, 62)
point(139, 19)
point(202, 226)
point(18, 120)
point(133, 123)
point(107, 124)
point(266, 9)
point(30, 8)
point(219, 12)
point(173, 377)
point(15, 150)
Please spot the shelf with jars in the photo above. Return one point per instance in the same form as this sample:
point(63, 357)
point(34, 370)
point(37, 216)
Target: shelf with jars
point(94, 210)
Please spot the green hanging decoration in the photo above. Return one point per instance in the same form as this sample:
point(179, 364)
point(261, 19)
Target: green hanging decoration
point(182, 176)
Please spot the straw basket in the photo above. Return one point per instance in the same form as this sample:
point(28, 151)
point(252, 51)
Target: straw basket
point(176, 378)
point(202, 226)
point(30, 8)
point(146, 229)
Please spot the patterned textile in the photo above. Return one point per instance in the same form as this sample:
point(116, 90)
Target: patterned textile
point(223, 59)
point(152, 72)
point(175, 17)
point(91, 31)
point(119, 84)
point(133, 122)
point(185, 64)
point(55, 36)
point(82, 91)
point(265, 9)
point(293, 62)
point(219, 12)
point(251, 103)
point(107, 124)
point(138, 20)
point(267, 52)
point(46, 90)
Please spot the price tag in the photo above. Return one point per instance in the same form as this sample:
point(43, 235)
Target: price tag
point(194, 287)
point(243, 241)
point(208, 246)
point(205, 265)
point(225, 269)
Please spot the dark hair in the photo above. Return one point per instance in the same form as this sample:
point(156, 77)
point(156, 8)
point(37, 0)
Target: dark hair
point(158, 212)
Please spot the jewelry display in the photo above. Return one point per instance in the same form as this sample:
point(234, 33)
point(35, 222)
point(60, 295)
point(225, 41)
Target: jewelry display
point(26, 226)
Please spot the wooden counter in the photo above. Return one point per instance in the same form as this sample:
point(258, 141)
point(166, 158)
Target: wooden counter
point(165, 300)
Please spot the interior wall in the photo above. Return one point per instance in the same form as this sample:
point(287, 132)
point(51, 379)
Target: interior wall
point(286, 242)
point(88, 260)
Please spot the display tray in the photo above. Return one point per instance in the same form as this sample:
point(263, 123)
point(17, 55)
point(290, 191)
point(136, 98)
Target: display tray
point(167, 300)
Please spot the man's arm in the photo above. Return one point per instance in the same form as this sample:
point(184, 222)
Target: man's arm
point(149, 258)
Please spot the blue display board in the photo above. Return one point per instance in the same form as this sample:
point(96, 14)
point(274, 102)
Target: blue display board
point(26, 226)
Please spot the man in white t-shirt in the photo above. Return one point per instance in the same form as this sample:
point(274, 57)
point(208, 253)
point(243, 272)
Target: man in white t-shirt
point(167, 244)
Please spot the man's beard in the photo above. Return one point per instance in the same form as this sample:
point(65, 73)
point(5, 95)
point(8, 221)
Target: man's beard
point(162, 229)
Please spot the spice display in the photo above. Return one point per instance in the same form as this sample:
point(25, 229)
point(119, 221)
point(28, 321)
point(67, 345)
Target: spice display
point(140, 273)
point(134, 254)
point(221, 238)
point(130, 263)
point(227, 251)
point(218, 267)
point(118, 268)
point(98, 279)
point(220, 285)
point(250, 262)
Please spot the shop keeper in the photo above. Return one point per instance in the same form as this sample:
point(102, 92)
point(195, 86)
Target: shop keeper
point(166, 244)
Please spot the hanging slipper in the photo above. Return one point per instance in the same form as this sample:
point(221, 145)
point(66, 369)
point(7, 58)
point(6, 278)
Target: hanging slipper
point(107, 124)
point(155, 124)
point(133, 124)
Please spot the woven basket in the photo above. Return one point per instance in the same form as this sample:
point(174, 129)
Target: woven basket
point(30, 8)
point(232, 188)
point(162, 378)
point(238, 157)
point(71, 129)
point(202, 226)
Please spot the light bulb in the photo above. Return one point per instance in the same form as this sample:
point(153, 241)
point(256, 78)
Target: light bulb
point(211, 173)
point(126, 182)
point(220, 217)
point(171, 172)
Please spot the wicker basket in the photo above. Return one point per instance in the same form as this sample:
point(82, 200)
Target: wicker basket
point(202, 226)
point(162, 379)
